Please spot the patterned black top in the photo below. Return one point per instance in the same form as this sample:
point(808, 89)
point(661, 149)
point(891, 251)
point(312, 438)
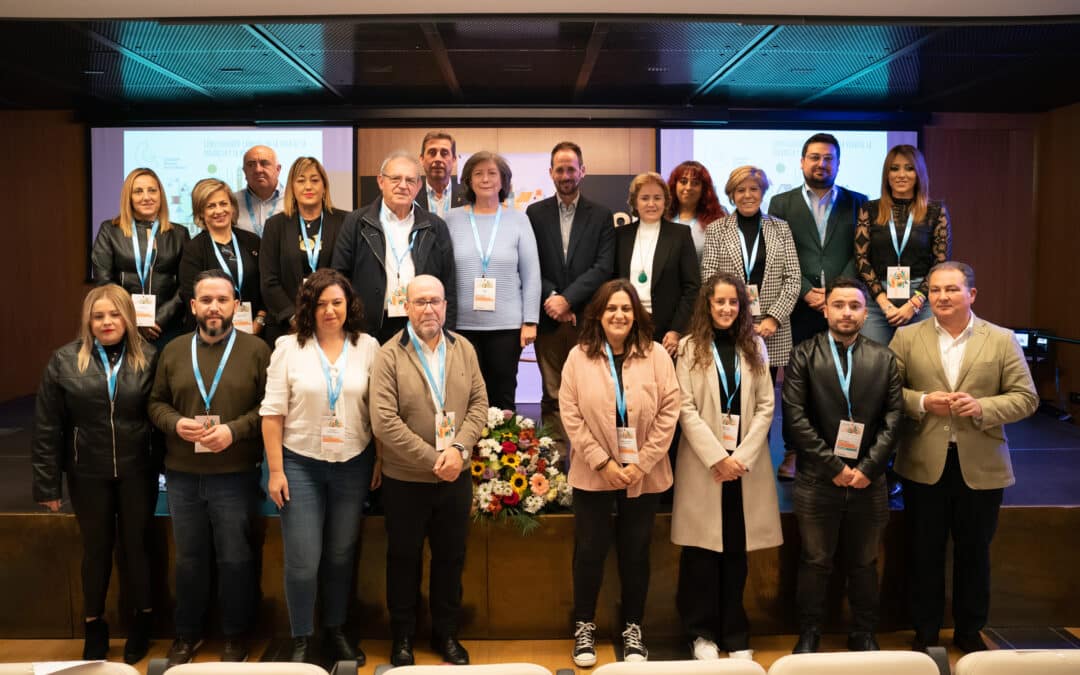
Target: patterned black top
point(930, 244)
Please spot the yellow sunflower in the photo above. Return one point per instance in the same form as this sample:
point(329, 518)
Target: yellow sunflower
point(511, 460)
point(519, 483)
point(477, 469)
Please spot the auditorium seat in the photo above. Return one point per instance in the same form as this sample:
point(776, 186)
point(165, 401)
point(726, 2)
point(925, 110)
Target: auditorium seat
point(88, 668)
point(719, 667)
point(1020, 662)
point(158, 666)
point(856, 663)
point(487, 669)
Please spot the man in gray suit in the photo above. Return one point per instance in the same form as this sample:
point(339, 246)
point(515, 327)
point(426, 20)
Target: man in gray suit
point(822, 218)
point(964, 380)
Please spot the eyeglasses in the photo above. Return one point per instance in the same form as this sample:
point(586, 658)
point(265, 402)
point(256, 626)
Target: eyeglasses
point(411, 181)
point(824, 159)
point(424, 303)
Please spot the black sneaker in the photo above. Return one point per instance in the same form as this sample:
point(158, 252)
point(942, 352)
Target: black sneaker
point(585, 644)
point(234, 650)
point(182, 651)
point(633, 649)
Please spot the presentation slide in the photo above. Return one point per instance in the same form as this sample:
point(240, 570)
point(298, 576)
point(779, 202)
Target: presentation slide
point(777, 153)
point(181, 156)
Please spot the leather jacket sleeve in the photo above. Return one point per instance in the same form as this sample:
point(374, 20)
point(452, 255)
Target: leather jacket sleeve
point(50, 422)
point(799, 432)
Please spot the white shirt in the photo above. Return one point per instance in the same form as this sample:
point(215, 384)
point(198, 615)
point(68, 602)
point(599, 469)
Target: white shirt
point(251, 205)
point(641, 259)
point(952, 356)
point(439, 206)
point(296, 388)
point(819, 207)
point(566, 221)
point(396, 230)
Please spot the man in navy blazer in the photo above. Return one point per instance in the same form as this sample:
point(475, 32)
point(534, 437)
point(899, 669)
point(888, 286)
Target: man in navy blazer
point(438, 157)
point(822, 218)
point(576, 242)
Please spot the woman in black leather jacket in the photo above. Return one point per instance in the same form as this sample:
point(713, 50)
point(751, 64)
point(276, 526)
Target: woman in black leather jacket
point(91, 423)
point(123, 255)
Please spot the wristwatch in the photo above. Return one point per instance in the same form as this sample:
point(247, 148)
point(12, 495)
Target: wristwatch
point(465, 454)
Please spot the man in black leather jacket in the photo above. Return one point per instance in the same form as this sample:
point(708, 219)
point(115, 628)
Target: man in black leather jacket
point(833, 380)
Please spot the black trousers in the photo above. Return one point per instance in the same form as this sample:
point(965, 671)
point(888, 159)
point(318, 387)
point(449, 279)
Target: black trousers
point(932, 513)
point(390, 326)
point(498, 352)
point(711, 584)
point(806, 322)
point(592, 540)
point(105, 507)
point(440, 512)
point(827, 515)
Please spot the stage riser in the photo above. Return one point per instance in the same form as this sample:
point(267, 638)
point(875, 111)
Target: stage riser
point(520, 588)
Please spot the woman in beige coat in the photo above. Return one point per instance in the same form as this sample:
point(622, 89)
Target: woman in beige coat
point(725, 497)
point(620, 402)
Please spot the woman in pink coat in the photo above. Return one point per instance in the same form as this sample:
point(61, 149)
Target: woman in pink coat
point(620, 402)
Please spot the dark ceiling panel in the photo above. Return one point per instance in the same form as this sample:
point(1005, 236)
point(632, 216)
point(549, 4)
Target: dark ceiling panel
point(518, 33)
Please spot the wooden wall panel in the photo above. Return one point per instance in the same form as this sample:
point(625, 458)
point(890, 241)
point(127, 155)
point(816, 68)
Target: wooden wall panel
point(1057, 296)
point(983, 167)
point(44, 269)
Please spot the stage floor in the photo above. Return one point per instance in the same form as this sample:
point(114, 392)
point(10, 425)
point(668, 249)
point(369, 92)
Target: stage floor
point(1045, 455)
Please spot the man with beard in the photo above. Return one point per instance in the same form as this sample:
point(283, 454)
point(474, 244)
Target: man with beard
point(428, 408)
point(575, 239)
point(822, 218)
point(843, 401)
point(262, 196)
point(206, 399)
point(440, 192)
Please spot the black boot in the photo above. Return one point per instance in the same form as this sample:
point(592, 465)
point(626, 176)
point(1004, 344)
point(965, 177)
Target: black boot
point(138, 642)
point(96, 643)
point(301, 649)
point(337, 644)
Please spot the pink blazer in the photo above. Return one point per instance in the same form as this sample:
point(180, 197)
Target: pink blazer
point(587, 404)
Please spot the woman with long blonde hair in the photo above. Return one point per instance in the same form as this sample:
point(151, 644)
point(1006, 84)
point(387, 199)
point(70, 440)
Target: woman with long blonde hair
point(140, 250)
point(91, 424)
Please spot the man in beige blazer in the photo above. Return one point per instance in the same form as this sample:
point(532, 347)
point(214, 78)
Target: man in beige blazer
point(964, 379)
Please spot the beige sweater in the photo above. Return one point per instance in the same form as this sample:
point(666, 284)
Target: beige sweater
point(403, 414)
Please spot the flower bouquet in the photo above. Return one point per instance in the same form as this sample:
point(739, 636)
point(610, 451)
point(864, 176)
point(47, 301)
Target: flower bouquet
point(515, 472)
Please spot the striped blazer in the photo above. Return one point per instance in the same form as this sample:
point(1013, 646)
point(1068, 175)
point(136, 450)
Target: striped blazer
point(780, 287)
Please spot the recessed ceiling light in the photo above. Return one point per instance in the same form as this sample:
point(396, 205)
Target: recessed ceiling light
point(656, 69)
point(231, 70)
point(93, 72)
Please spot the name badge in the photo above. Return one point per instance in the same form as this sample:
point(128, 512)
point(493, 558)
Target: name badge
point(208, 422)
point(145, 309)
point(444, 430)
point(729, 432)
point(243, 319)
point(899, 282)
point(483, 297)
point(628, 448)
point(395, 306)
point(332, 433)
point(755, 301)
point(848, 440)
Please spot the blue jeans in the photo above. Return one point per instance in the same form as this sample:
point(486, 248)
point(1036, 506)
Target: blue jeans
point(214, 512)
point(877, 327)
point(320, 525)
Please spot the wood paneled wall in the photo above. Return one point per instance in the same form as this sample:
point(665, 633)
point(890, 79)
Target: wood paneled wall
point(43, 273)
point(1054, 289)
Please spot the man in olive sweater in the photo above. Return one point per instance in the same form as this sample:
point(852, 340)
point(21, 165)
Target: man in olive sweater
point(206, 399)
point(428, 408)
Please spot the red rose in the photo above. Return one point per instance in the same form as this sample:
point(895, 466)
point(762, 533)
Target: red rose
point(541, 465)
point(508, 448)
point(512, 499)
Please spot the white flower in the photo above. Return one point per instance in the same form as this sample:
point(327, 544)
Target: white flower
point(494, 417)
point(553, 457)
point(483, 451)
point(533, 504)
point(566, 499)
point(552, 471)
point(525, 423)
point(502, 488)
point(546, 442)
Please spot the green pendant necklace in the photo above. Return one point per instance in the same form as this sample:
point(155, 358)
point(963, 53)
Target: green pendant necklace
point(642, 278)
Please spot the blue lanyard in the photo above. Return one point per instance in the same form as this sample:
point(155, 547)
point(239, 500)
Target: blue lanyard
point(110, 372)
point(806, 192)
point(723, 377)
point(313, 253)
point(620, 397)
point(845, 380)
point(333, 389)
point(142, 263)
point(436, 388)
point(401, 258)
point(220, 369)
point(749, 258)
point(485, 258)
point(256, 225)
point(899, 248)
point(238, 282)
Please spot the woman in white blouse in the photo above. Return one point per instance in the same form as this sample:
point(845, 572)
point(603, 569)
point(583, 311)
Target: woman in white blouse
point(320, 454)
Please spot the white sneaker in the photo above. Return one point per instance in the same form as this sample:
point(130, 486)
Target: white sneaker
point(584, 644)
point(705, 649)
point(633, 647)
point(744, 654)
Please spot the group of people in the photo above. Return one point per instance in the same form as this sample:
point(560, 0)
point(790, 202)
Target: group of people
point(361, 351)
